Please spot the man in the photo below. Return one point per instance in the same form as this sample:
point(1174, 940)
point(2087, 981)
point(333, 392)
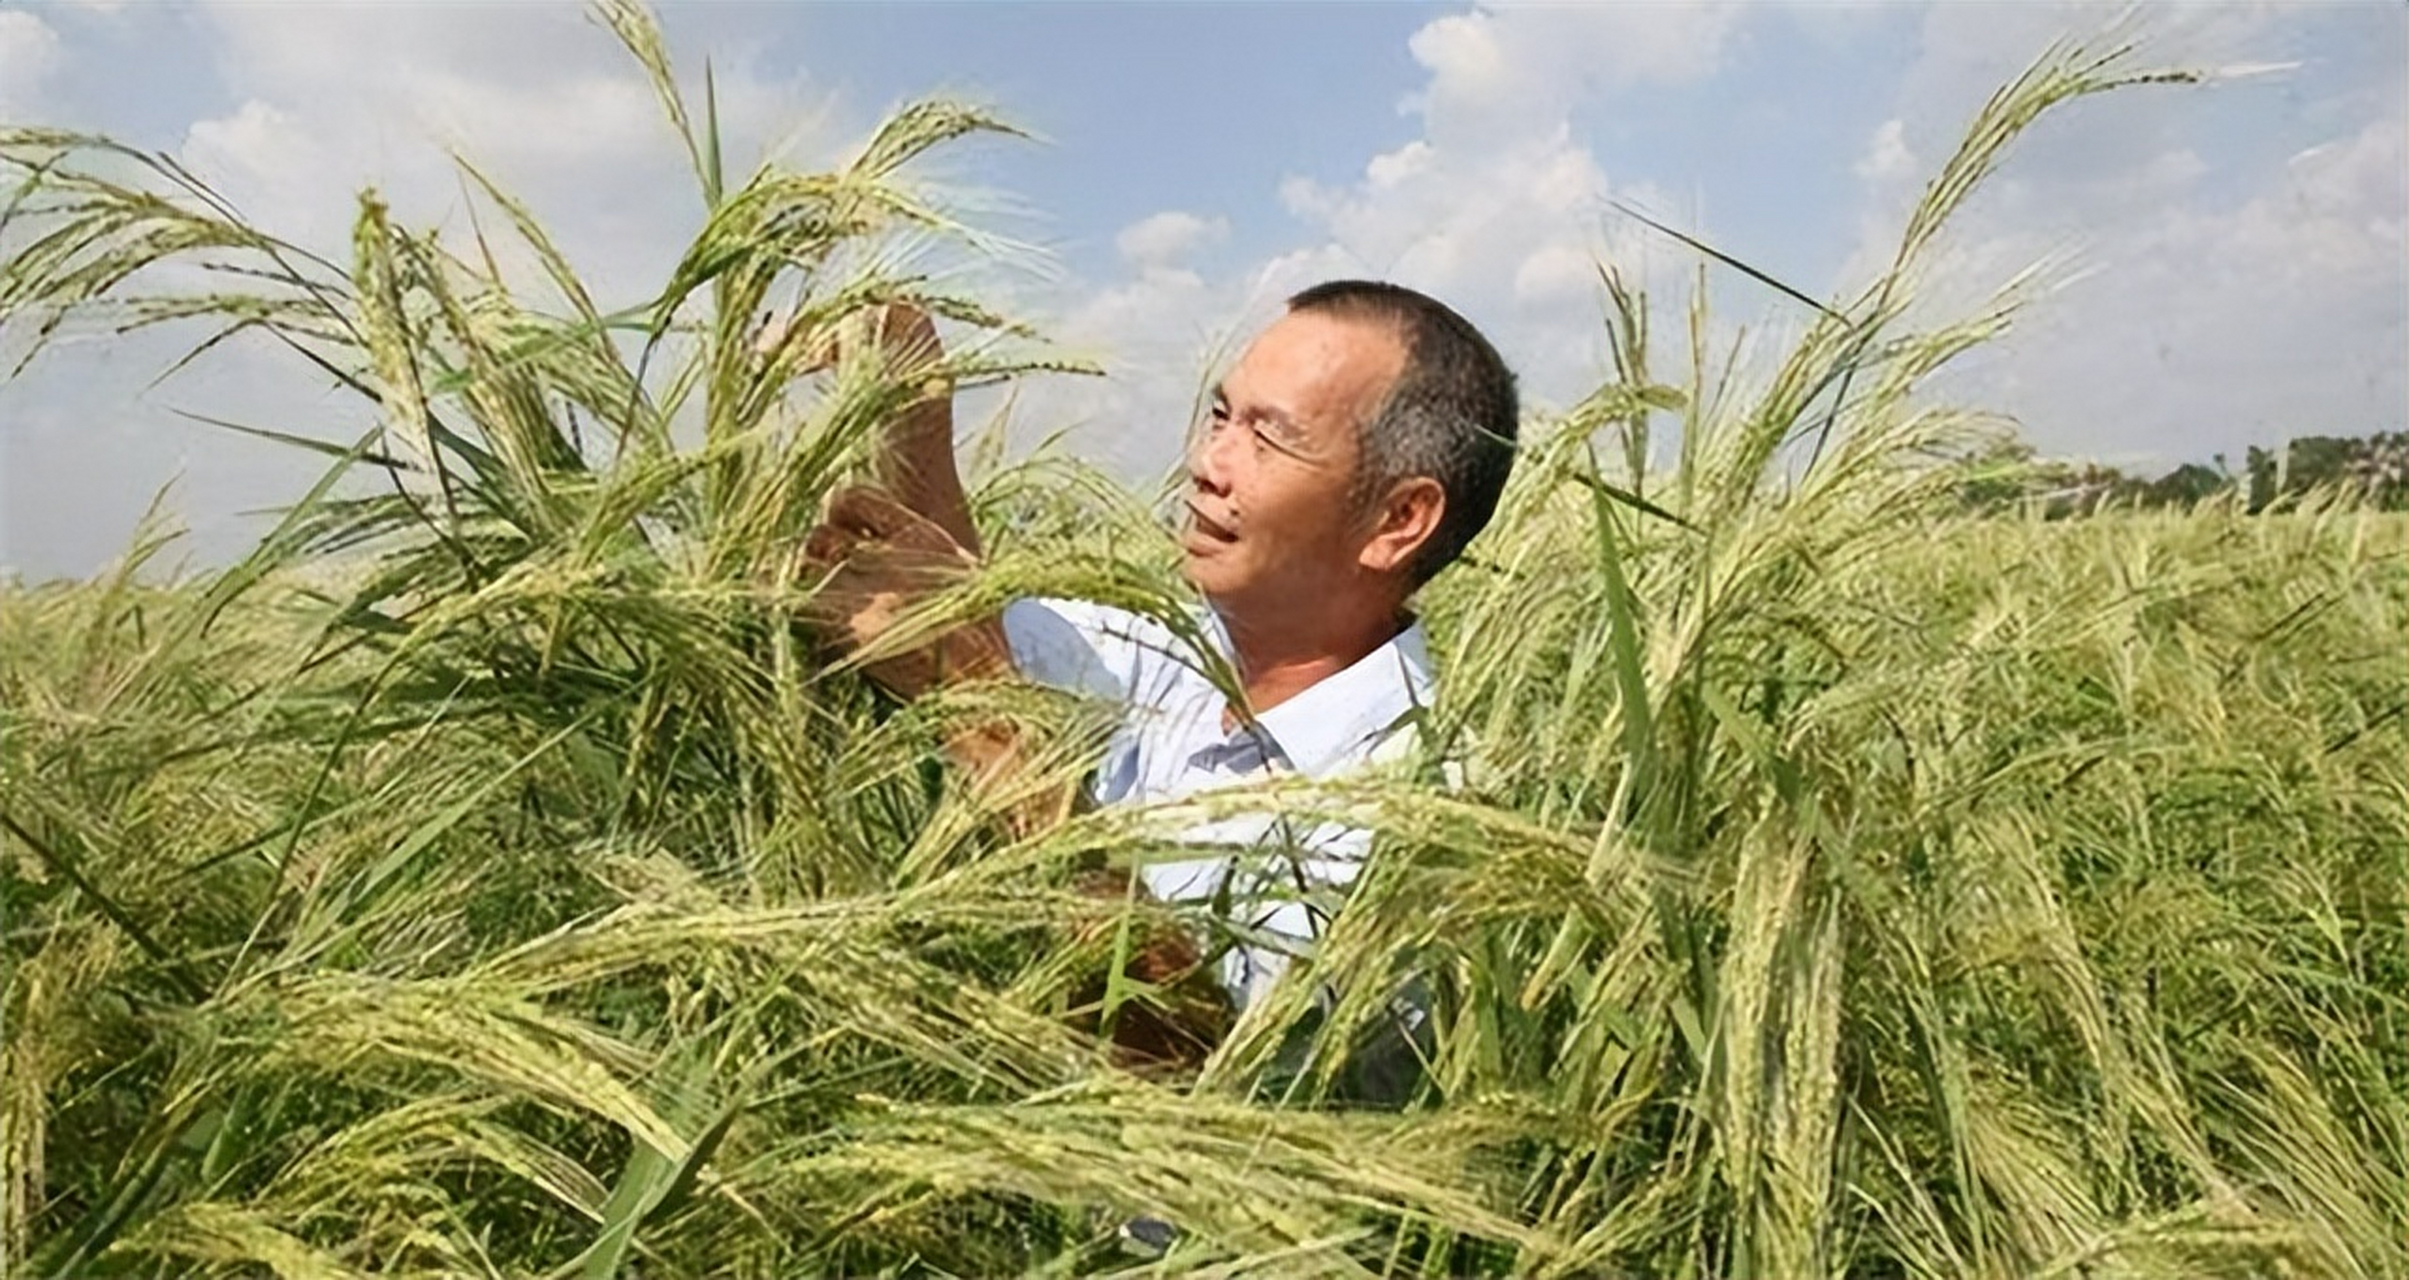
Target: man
point(1355, 448)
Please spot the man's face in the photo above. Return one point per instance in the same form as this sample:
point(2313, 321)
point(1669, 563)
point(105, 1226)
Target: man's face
point(1270, 526)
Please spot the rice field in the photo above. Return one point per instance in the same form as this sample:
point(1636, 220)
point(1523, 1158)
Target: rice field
point(488, 878)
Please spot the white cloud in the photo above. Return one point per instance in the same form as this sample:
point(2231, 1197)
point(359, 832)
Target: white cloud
point(1502, 207)
point(538, 96)
point(2202, 302)
point(1494, 69)
point(1485, 228)
point(2196, 308)
point(1498, 207)
point(1157, 335)
point(29, 56)
point(1555, 273)
point(1887, 158)
point(1166, 239)
point(327, 99)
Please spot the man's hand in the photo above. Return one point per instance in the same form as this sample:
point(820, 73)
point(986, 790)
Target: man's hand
point(916, 448)
point(1189, 1013)
point(900, 329)
point(880, 560)
point(877, 560)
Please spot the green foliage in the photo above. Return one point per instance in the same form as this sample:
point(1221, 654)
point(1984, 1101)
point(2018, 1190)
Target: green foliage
point(2372, 471)
point(485, 878)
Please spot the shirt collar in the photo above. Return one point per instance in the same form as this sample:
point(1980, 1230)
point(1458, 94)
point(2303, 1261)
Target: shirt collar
point(1333, 723)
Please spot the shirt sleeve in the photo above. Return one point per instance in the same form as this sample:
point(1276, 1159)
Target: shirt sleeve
point(1083, 647)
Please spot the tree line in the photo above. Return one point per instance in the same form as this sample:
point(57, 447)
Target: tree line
point(2374, 468)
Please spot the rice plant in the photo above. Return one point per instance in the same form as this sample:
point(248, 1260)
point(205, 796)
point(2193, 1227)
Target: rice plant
point(486, 876)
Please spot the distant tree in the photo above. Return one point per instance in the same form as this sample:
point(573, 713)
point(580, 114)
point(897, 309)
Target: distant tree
point(2009, 475)
point(2381, 470)
point(2079, 489)
point(2312, 462)
point(1999, 477)
point(2185, 486)
point(2260, 472)
point(2374, 467)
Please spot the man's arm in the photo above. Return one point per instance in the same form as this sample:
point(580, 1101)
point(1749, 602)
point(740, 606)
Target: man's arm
point(884, 553)
point(878, 560)
point(916, 450)
point(889, 550)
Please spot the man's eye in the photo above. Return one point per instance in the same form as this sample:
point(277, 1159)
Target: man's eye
point(1279, 437)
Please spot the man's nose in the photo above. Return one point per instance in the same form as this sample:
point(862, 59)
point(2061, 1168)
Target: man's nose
point(1208, 462)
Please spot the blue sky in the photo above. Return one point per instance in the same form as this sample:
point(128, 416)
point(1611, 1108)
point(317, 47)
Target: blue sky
point(2226, 263)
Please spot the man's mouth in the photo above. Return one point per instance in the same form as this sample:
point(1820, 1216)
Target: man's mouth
point(1209, 528)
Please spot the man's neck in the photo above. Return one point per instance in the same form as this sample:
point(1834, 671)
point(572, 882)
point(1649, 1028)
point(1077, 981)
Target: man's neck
point(1276, 663)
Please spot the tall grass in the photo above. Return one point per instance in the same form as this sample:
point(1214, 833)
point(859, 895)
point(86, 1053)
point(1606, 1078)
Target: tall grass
point(1840, 884)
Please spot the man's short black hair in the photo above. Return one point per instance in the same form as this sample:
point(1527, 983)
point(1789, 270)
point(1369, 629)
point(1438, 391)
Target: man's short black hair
point(1450, 415)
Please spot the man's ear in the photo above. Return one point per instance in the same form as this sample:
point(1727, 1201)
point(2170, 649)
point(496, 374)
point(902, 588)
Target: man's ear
point(1408, 516)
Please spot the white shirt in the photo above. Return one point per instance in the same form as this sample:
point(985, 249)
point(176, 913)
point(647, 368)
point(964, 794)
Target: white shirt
point(1171, 745)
